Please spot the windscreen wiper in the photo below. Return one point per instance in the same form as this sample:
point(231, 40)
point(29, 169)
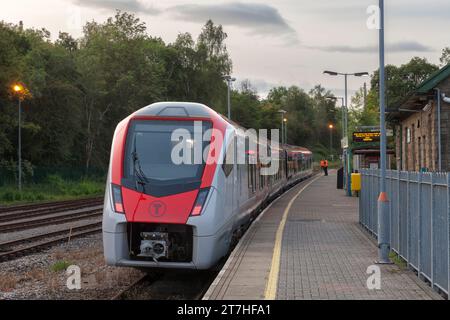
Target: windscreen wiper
point(141, 178)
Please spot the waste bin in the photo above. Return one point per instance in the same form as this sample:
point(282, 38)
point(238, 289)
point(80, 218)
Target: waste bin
point(340, 178)
point(356, 182)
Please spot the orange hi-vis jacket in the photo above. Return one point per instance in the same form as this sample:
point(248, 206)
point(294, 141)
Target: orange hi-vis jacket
point(324, 163)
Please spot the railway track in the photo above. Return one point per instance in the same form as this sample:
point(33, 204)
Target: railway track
point(53, 204)
point(170, 285)
point(10, 250)
point(39, 213)
point(50, 206)
point(52, 220)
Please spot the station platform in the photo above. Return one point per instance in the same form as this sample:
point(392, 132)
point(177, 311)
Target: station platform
point(308, 245)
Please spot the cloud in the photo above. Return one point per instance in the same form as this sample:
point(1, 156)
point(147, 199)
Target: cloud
point(125, 5)
point(397, 47)
point(258, 19)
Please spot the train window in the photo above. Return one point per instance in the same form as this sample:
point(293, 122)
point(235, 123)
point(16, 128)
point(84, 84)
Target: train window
point(228, 159)
point(156, 173)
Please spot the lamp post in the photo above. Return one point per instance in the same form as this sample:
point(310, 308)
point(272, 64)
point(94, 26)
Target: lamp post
point(285, 130)
point(331, 140)
point(342, 110)
point(383, 202)
point(346, 152)
point(282, 112)
point(229, 80)
point(19, 90)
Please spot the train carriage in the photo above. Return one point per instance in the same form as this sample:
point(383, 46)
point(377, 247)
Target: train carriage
point(158, 213)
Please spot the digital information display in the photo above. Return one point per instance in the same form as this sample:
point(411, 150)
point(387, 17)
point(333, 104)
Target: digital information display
point(366, 136)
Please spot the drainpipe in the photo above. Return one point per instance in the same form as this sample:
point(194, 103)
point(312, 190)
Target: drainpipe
point(438, 91)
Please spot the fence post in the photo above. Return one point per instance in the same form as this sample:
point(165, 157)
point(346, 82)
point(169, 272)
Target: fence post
point(408, 211)
point(419, 215)
point(398, 215)
point(432, 230)
point(389, 192)
point(448, 236)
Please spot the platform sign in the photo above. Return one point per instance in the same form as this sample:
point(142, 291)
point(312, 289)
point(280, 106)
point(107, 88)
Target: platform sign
point(389, 133)
point(366, 136)
point(344, 143)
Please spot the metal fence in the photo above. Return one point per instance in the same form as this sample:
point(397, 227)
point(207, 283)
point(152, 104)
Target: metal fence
point(419, 205)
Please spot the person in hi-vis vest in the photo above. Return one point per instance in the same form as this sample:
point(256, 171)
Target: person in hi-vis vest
point(324, 166)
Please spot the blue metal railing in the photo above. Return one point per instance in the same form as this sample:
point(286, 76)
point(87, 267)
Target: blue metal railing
point(419, 210)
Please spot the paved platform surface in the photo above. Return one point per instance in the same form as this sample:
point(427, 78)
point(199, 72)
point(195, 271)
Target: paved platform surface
point(322, 253)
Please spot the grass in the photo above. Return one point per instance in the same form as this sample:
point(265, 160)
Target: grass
point(54, 188)
point(61, 265)
point(396, 259)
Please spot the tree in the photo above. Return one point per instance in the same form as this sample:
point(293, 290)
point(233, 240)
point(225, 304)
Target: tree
point(246, 106)
point(403, 80)
point(445, 57)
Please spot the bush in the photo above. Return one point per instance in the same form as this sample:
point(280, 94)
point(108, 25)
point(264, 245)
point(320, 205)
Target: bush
point(53, 188)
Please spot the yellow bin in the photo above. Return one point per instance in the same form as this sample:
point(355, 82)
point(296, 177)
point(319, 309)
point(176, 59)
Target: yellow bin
point(356, 182)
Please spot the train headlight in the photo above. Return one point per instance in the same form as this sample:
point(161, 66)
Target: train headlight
point(117, 198)
point(200, 202)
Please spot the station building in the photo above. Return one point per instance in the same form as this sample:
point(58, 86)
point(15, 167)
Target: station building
point(422, 126)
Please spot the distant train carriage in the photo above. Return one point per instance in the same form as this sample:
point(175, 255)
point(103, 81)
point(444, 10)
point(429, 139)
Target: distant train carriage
point(158, 213)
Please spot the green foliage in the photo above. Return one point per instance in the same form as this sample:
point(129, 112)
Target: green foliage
point(81, 88)
point(54, 188)
point(61, 265)
point(402, 80)
point(399, 261)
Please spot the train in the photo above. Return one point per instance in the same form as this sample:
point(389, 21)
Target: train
point(159, 213)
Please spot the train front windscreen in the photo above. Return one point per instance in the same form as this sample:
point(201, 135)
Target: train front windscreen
point(149, 164)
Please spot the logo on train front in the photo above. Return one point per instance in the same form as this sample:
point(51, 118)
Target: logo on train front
point(157, 209)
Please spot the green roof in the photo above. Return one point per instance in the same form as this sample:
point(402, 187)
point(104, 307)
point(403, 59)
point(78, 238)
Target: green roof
point(434, 80)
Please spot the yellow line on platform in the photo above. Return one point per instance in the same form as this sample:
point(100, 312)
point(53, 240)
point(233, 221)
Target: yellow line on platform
point(272, 283)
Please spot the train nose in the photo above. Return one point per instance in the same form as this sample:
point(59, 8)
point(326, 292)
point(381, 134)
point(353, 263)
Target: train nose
point(142, 208)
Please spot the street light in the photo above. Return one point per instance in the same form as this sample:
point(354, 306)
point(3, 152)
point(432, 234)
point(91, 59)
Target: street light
point(330, 126)
point(346, 153)
point(383, 202)
point(19, 90)
point(229, 79)
point(283, 112)
point(285, 130)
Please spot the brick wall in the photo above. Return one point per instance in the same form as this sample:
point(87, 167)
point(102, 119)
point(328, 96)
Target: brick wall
point(422, 149)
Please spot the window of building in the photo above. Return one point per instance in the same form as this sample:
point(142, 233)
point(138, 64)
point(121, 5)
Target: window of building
point(408, 135)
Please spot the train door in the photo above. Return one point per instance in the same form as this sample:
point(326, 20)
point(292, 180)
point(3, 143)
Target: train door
point(230, 174)
point(236, 177)
point(286, 167)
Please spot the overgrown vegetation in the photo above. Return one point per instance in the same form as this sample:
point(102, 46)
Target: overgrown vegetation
point(61, 265)
point(399, 261)
point(55, 188)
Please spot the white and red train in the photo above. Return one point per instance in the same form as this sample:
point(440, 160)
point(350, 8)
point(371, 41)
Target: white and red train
point(158, 214)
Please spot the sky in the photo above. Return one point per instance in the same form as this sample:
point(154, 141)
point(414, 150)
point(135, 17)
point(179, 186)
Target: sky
point(271, 42)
